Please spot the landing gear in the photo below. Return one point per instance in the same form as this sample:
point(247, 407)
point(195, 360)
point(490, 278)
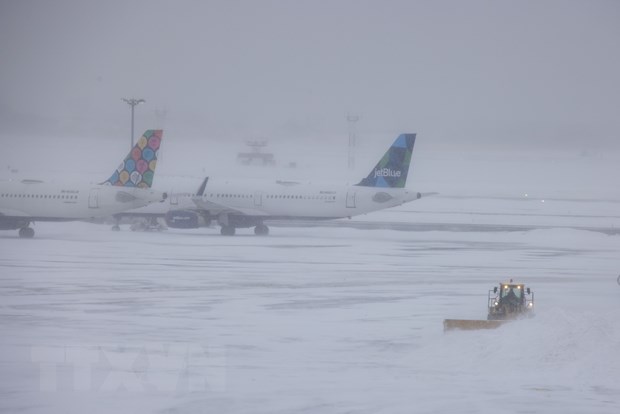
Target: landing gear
point(261, 230)
point(117, 221)
point(26, 233)
point(227, 231)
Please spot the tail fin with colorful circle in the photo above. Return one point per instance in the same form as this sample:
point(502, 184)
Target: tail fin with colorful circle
point(138, 168)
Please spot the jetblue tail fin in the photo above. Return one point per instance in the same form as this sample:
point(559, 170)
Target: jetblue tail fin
point(393, 168)
point(138, 168)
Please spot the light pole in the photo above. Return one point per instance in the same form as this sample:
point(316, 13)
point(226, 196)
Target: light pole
point(132, 102)
point(352, 119)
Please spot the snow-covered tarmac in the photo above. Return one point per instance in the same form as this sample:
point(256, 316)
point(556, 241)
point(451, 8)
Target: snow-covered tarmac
point(315, 319)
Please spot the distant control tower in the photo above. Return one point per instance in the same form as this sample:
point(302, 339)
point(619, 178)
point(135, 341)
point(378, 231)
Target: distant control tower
point(256, 154)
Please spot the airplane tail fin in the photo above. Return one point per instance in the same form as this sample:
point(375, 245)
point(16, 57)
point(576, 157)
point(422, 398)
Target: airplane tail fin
point(391, 171)
point(138, 168)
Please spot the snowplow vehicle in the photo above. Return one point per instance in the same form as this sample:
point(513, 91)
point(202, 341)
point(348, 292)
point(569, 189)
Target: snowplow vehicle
point(506, 302)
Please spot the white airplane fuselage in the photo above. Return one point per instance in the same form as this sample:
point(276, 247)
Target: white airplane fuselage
point(33, 200)
point(284, 200)
point(249, 203)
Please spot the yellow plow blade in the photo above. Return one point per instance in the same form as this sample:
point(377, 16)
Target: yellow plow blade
point(470, 324)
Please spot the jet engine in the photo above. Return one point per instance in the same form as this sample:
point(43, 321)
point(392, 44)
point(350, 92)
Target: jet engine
point(187, 219)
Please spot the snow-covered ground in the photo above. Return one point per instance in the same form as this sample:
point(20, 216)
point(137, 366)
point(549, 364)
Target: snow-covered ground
point(333, 319)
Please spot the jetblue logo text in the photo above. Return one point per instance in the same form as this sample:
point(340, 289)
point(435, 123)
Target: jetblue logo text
point(386, 172)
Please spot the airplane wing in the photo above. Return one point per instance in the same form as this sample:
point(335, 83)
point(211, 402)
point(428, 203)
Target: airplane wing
point(8, 212)
point(218, 208)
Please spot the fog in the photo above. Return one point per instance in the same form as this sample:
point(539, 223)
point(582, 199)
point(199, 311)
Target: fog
point(493, 75)
point(516, 105)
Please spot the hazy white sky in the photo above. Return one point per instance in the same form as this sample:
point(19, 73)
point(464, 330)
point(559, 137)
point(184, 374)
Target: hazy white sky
point(493, 73)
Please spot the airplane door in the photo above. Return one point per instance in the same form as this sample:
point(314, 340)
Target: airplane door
point(93, 198)
point(174, 199)
point(351, 199)
point(258, 199)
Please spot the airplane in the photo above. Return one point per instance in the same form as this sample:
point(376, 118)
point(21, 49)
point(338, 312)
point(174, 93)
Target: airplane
point(247, 203)
point(27, 201)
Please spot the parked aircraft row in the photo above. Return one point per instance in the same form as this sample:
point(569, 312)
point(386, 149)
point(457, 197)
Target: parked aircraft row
point(232, 204)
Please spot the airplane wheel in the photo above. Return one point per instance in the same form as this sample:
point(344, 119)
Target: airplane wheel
point(261, 230)
point(227, 231)
point(26, 233)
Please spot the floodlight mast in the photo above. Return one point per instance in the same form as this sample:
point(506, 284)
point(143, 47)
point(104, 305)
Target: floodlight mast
point(352, 120)
point(132, 102)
